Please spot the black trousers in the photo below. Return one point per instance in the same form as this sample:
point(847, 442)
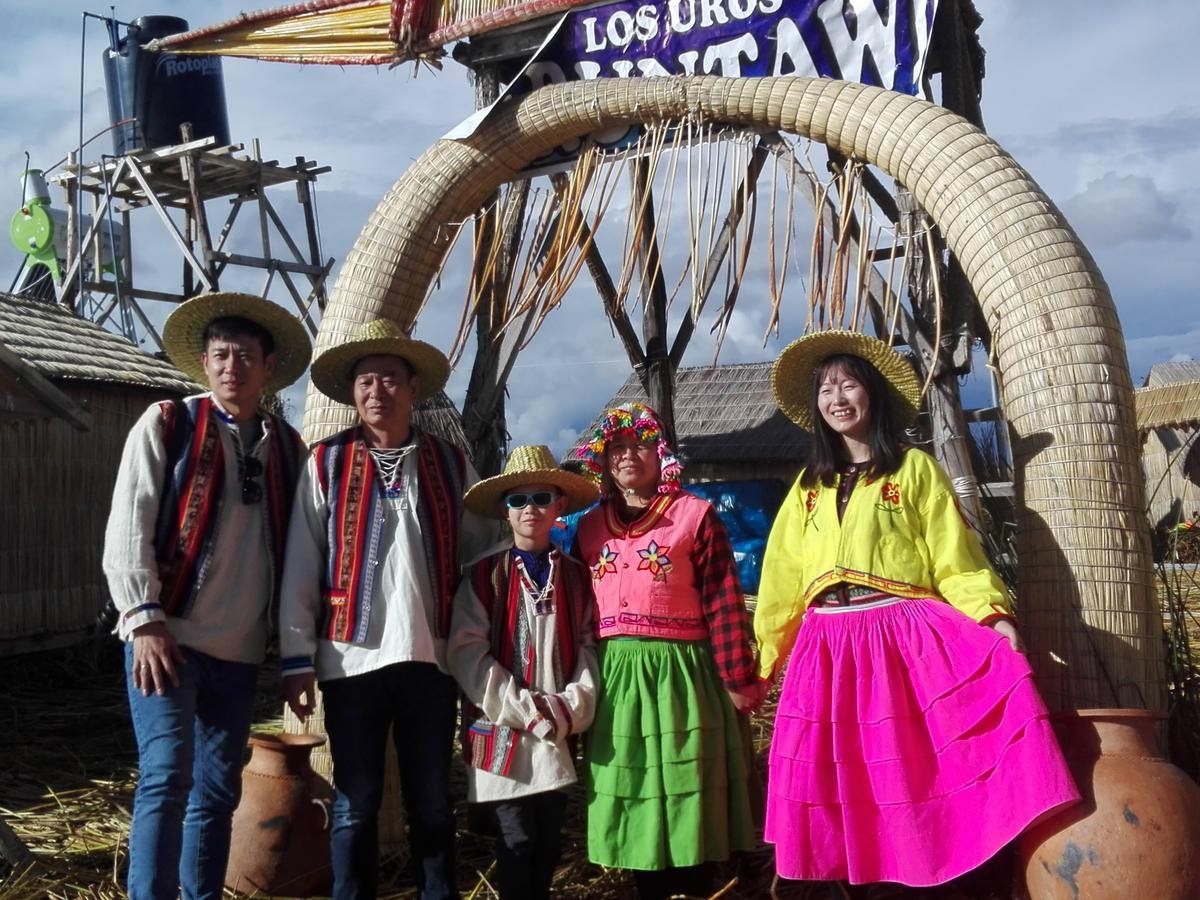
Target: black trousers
point(419, 701)
point(528, 843)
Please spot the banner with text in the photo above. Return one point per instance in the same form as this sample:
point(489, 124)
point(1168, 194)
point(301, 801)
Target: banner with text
point(877, 42)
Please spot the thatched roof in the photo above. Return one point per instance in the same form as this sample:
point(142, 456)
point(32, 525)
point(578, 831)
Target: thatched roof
point(724, 414)
point(440, 417)
point(64, 347)
point(1171, 398)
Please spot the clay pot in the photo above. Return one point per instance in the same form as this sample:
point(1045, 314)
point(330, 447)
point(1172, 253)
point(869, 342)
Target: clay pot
point(1137, 831)
point(281, 826)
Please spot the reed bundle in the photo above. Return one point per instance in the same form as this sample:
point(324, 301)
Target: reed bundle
point(358, 32)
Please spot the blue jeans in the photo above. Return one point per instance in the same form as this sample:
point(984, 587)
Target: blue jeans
point(419, 701)
point(191, 742)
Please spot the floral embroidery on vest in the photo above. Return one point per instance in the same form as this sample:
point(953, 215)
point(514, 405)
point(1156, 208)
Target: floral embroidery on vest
point(606, 563)
point(889, 496)
point(810, 508)
point(655, 559)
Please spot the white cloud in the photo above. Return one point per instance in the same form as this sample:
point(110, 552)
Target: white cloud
point(1119, 208)
point(1098, 105)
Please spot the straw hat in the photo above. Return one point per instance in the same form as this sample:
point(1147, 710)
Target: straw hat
point(529, 464)
point(332, 371)
point(183, 334)
point(792, 374)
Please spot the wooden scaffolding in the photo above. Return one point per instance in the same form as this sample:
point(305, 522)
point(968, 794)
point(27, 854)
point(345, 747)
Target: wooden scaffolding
point(186, 177)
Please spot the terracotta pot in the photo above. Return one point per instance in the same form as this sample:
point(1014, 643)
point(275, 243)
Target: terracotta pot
point(281, 826)
point(1137, 832)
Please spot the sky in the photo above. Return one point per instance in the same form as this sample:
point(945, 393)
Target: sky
point(1095, 99)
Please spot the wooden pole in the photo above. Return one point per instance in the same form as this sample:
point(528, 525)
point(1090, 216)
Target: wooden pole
point(658, 378)
point(483, 406)
point(947, 423)
point(304, 194)
point(189, 162)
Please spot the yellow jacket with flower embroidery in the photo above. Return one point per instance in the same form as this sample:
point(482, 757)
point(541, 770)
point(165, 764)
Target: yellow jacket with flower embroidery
point(902, 534)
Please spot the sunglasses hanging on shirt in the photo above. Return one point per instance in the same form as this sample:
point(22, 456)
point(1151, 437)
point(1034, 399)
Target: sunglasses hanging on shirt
point(252, 491)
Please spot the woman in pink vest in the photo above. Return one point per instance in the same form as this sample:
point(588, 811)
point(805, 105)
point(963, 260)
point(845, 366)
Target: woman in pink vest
point(668, 793)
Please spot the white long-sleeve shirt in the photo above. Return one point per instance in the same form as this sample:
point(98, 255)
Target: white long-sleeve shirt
point(227, 619)
point(403, 607)
point(538, 764)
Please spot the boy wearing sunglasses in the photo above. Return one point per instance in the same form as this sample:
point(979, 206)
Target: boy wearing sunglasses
point(192, 553)
point(521, 648)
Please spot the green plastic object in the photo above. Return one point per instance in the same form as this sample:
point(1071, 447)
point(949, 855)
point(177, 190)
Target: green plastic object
point(32, 232)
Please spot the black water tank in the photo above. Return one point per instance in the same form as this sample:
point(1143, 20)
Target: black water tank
point(162, 90)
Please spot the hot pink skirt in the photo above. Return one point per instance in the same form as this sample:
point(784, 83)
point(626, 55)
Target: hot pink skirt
point(910, 746)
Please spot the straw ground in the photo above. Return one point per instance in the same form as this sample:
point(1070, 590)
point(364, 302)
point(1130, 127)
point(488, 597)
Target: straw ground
point(69, 764)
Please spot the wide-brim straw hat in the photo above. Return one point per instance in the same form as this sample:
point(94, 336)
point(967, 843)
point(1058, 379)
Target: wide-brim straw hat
point(530, 464)
point(792, 374)
point(183, 334)
point(333, 370)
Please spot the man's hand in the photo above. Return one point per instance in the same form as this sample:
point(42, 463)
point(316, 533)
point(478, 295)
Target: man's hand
point(300, 692)
point(748, 699)
point(1009, 630)
point(155, 656)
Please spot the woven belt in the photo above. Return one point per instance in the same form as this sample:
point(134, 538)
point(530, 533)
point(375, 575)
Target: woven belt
point(848, 595)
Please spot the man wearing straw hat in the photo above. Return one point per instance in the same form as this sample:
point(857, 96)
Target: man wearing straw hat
point(375, 548)
point(192, 553)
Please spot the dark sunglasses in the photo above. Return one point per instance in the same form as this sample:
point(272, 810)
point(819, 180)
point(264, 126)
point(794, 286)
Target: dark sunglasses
point(537, 498)
point(252, 491)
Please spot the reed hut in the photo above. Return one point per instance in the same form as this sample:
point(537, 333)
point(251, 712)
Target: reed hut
point(727, 425)
point(1166, 408)
point(69, 393)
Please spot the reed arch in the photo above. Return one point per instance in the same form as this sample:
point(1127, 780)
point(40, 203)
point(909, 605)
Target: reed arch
point(1085, 583)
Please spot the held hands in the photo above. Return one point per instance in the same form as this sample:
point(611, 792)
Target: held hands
point(748, 699)
point(1009, 630)
point(543, 707)
point(155, 656)
point(300, 693)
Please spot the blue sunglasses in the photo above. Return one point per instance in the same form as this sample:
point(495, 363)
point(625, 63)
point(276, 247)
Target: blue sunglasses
point(537, 498)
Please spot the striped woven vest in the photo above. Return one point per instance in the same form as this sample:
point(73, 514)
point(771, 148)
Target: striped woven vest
point(189, 510)
point(347, 476)
point(497, 583)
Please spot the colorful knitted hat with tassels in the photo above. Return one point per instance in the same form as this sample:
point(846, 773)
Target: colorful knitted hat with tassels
point(643, 423)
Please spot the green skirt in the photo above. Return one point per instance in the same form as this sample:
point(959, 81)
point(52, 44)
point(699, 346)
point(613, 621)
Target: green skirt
point(667, 762)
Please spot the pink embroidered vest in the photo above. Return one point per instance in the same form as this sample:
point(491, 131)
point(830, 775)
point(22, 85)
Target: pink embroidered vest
point(642, 573)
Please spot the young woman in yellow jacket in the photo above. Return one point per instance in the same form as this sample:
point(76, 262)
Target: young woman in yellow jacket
point(910, 743)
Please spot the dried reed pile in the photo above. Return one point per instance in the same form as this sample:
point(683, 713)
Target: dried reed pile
point(69, 761)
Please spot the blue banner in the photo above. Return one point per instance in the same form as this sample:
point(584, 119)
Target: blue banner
point(877, 42)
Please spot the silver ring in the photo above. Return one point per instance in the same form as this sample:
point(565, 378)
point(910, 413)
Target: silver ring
point(144, 666)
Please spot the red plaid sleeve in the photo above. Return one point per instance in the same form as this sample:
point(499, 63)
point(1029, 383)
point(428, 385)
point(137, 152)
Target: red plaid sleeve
point(729, 628)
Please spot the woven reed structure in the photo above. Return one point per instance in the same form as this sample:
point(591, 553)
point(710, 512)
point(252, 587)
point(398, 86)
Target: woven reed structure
point(1086, 593)
point(56, 480)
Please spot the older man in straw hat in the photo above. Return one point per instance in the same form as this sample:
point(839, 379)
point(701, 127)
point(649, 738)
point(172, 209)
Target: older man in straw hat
point(376, 543)
point(192, 553)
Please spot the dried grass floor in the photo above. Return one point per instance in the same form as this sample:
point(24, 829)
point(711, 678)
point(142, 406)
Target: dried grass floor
point(68, 768)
